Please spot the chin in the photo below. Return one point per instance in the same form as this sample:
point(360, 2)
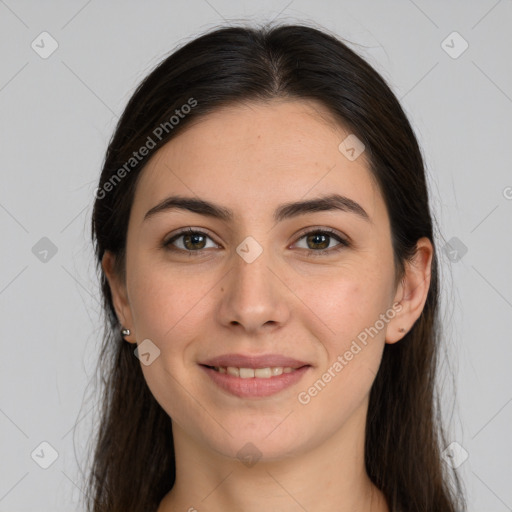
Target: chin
point(262, 441)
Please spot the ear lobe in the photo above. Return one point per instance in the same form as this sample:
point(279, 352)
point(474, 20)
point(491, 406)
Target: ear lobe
point(118, 291)
point(412, 291)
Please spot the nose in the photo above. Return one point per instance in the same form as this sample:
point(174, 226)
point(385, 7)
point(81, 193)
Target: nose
point(254, 296)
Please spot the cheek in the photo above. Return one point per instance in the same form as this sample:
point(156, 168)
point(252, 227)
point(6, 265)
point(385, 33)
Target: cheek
point(154, 304)
point(166, 307)
point(351, 307)
point(347, 304)
point(352, 345)
point(163, 300)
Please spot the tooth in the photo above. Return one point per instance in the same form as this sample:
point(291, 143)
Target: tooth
point(233, 371)
point(263, 373)
point(246, 373)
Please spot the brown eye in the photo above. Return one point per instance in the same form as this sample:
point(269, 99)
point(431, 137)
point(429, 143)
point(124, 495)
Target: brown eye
point(193, 241)
point(321, 240)
point(318, 242)
point(188, 241)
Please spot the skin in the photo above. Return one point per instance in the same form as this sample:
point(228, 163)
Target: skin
point(251, 158)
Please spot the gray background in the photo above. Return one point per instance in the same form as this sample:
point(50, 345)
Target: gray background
point(57, 115)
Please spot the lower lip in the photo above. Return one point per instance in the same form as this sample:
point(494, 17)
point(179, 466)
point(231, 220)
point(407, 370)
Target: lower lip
point(255, 387)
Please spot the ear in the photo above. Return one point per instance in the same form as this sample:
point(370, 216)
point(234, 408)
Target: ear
point(119, 295)
point(412, 291)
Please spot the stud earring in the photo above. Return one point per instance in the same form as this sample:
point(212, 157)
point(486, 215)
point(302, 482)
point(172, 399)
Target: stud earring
point(125, 332)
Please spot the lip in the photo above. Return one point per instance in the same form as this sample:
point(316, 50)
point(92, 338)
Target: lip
point(254, 361)
point(254, 387)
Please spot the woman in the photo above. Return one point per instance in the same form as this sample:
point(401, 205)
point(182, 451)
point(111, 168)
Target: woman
point(270, 280)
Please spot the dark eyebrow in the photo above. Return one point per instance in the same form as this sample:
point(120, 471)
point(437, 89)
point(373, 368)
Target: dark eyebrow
point(284, 211)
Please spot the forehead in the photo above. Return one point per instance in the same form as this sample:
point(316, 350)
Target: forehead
point(252, 156)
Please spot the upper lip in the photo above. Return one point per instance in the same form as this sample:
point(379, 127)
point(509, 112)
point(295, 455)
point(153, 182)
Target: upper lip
point(262, 361)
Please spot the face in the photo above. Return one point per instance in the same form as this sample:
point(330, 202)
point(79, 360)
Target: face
point(315, 286)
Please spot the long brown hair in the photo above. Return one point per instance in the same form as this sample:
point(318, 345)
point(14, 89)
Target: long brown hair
point(133, 464)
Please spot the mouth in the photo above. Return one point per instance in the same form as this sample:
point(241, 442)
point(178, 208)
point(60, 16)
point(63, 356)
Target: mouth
point(245, 382)
point(251, 373)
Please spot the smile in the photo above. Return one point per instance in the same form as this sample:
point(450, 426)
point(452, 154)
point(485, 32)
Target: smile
point(254, 382)
point(250, 373)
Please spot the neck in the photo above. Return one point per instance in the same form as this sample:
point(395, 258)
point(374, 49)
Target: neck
point(329, 477)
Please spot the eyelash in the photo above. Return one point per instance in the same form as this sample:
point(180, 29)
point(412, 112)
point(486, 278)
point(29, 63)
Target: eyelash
point(167, 244)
